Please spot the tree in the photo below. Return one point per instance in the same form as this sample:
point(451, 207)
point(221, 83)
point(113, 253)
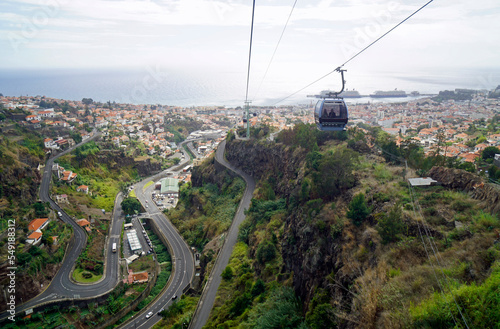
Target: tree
point(258, 288)
point(390, 225)
point(266, 252)
point(489, 152)
point(281, 309)
point(40, 210)
point(131, 206)
point(87, 101)
point(358, 209)
point(227, 274)
point(335, 173)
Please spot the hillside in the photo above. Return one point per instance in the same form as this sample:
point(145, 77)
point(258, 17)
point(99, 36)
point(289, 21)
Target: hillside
point(336, 238)
point(21, 153)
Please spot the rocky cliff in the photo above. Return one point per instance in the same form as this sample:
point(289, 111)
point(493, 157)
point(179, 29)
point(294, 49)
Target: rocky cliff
point(268, 159)
point(309, 249)
point(116, 159)
point(462, 180)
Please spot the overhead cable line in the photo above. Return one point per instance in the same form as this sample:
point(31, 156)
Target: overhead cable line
point(433, 247)
point(437, 256)
point(357, 54)
point(250, 51)
point(275, 49)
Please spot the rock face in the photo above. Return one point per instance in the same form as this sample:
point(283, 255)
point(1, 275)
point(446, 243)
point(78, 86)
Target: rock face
point(117, 159)
point(268, 159)
point(147, 167)
point(20, 183)
point(462, 180)
point(310, 251)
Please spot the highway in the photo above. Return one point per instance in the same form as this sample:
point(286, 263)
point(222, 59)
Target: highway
point(207, 299)
point(182, 258)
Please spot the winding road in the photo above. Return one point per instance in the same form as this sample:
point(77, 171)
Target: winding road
point(63, 288)
point(207, 299)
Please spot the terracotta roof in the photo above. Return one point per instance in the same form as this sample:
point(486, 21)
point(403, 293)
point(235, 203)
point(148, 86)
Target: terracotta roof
point(35, 224)
point(83, 222)
point(35, 235)
point(142, 276)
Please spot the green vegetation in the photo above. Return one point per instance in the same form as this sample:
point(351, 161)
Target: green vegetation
point(83, 276)
point(100, 170)
point(131, 206)
point(390, 225)
point(489, 152)
point(164, 258)
point(182, 128)
point(148, 184)
point(477, 304)
point(203, 213)
point(281, 309)
point(377, 272)
point(358, 210)
point(91, 259)
point(179, 313)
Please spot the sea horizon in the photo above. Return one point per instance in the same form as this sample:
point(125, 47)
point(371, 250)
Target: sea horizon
point(152, 85)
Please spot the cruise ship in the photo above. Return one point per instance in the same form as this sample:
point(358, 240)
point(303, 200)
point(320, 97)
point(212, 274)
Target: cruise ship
point(389, 94)
point(350, 94)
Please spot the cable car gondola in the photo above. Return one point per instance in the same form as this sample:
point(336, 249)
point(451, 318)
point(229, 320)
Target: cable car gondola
point(330, 112)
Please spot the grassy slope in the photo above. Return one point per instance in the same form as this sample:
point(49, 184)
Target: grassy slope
point(394, 284)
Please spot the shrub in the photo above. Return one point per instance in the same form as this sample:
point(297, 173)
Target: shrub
point(227, 274)
point(86, 275)
point(358, 209)
point(479, 304)
point(389, 226)
point(266, 252)
point(460, 205)
point(258, 288)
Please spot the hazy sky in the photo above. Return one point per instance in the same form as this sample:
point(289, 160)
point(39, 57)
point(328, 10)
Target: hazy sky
point(213, 36)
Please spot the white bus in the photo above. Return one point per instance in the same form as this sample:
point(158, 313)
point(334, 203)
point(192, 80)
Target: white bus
point(114, 247)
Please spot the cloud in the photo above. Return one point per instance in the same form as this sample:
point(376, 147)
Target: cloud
point(216, 32)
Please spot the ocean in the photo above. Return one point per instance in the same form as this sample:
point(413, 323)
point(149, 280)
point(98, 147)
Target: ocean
point(154, 85)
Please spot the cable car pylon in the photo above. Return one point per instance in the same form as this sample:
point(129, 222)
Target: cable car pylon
point(247, 106)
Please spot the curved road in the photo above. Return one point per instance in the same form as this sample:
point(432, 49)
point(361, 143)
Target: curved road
point(207, 299)
point(61, 286)
point(182, 258)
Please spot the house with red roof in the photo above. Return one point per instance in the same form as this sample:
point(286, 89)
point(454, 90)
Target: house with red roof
point(480, 147)
point(140, 277)
point(84, 223)
point(38, 224)
point(83, 188)
point(34, 238)
point(62, 198)
point(35, 227)
point(68, 176)
point(468, 157)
